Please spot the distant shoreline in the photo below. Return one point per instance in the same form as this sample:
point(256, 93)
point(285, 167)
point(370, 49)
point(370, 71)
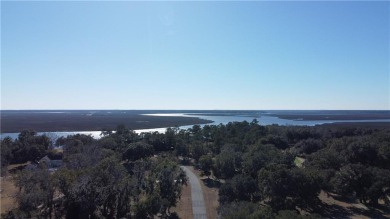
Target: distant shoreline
point(334, 117)
point(357, 124)
point(14, 121)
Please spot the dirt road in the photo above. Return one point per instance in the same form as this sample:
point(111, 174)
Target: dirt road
point(198, 205)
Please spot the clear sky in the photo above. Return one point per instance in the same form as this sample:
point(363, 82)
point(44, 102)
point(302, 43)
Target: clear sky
point(195, 55)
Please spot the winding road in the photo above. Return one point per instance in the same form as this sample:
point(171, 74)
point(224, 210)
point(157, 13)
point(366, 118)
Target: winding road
point(198, 205)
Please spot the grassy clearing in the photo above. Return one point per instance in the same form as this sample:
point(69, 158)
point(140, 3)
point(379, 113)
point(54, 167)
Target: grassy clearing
point(299, 161)
point(8, 194)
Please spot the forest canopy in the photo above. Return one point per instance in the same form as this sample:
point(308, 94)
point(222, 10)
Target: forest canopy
point(260, 171)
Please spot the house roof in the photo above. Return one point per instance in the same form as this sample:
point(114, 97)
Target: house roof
point(45, 159)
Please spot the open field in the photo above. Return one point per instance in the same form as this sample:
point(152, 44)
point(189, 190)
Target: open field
point(87, 120)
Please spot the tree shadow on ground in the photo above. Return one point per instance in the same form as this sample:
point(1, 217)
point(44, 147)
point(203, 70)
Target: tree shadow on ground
point(351, 200)
point(185, 161)
point(333, 211)
point(211, 183)
point(17, 169)
point(173, 215)
point(371, 212)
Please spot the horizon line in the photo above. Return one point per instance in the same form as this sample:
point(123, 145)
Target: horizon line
point(200, 109)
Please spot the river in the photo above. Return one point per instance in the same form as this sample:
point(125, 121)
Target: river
point(263, 119)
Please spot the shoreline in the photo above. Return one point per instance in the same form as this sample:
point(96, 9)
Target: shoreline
point(357, 124)
point(330, 116)
point(88, 121)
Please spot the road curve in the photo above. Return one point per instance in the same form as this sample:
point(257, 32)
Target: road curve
point(198, 205)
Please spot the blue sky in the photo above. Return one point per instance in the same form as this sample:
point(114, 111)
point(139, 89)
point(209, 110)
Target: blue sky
point(195, 55)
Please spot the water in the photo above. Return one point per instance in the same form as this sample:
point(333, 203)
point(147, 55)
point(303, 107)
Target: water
point(264, 118)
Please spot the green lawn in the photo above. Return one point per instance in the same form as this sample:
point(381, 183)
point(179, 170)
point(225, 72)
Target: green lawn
point(299, 161)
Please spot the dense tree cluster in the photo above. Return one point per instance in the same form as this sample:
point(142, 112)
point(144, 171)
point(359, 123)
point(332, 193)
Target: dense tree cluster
point(255, 166)
point(98, 179)
point(355, 165)
point(258, 165)
point(27, 147)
